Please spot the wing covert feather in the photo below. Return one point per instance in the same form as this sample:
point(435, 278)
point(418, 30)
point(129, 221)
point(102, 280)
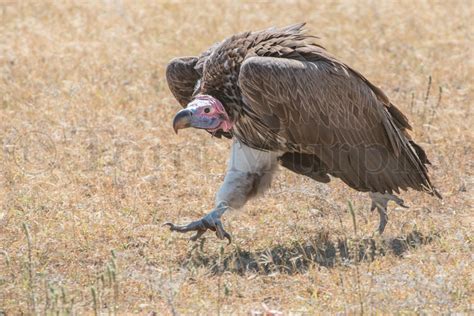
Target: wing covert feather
point(321, 100)
point(182, 78)
point(328, 110)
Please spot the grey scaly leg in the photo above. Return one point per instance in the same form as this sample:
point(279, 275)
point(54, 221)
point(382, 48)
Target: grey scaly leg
point(379, 202)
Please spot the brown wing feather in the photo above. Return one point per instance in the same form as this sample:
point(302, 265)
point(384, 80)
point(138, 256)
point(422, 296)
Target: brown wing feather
point(326, 109)
point(182, 78)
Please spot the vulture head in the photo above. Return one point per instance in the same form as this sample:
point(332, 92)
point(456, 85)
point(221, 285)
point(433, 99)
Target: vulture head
point(204, 112)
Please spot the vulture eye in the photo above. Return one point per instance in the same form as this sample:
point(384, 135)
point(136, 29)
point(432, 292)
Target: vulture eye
point(207, 110)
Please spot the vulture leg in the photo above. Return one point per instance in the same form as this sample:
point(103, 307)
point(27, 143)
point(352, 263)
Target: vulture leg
point(379, 202)
point(249, 173)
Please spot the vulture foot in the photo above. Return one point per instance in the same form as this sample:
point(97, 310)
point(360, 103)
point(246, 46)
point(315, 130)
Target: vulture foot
point(211, 221)
point(379, 202)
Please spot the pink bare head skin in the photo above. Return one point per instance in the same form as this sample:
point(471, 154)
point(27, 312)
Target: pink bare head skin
point(204, 112)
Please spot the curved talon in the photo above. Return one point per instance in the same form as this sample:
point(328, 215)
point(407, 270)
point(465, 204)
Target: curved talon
point(221, 233)
point(171, 225)
point(229, 238)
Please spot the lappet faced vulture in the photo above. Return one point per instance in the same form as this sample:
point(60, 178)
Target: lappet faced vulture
point(284, 100)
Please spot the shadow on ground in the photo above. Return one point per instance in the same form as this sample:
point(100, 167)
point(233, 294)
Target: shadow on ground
point(299, 256)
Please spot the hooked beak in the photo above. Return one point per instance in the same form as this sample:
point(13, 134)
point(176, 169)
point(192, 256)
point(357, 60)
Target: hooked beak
point(182, 120)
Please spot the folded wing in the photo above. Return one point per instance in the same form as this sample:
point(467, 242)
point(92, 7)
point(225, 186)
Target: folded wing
point(326, 109)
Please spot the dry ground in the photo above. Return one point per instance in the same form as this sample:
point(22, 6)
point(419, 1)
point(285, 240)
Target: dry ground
point(91, 168)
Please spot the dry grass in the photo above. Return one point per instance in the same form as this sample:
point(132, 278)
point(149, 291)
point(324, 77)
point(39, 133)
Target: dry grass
point(90, 164)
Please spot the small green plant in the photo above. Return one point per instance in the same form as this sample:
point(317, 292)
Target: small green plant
point(31, 270)
point(106, 290)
